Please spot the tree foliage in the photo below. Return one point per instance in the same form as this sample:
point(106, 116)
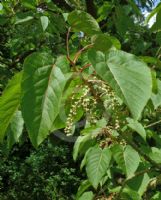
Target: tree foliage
point(88, 73)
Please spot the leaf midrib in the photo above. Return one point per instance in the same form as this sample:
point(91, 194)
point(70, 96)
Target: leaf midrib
point(45, 95)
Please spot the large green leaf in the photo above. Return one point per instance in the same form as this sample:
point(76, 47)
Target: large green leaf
point(97, 164)
point(9, 103)
point(156, 98)
point(42, 84)
point(127, 159)
point(132, 160)
point(128, 76)
point(82, 21)
point(15, 129)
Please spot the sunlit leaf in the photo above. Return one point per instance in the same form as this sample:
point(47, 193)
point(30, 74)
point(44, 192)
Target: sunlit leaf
point(42, 84)
point(128, 76)
point(97, 164)
point(127, 159)
point(44, 22)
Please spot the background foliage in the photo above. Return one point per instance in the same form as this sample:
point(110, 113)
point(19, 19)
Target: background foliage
point(48, 173)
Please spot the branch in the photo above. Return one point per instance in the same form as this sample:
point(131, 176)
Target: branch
point(67, 47)
point(85, 67)
point(67, 41)
point(80, 51)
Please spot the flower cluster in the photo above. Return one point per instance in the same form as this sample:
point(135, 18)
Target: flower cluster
point(77, 103)
point(103, 90)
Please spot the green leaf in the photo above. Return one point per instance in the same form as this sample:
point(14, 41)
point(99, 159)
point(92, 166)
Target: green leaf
point(104, 10)
point(135, 7)
point(127, 159)
point(82, 21)
point(154, 82)
point(128, 76)
point(97, 164)
point(155, 155)
point(157, 196)
point(63, 64)
point(42, 84)
point(148, 59)
point(94, 130)
point(130, 194)
point(83, 187)
point(88, 139)
point(157, 25)
point(26, 19)
point(154, 11)
point(84, 161)
point(156, 98)
point(44, 22)
point(15, 129)
point(139, 183)
point(87, 196)
point(79, 144)
point(136, 126)
point(116, 43)
point(132, 160)
point(122, 21)
point(102, 42)
point(30, 4)
point(9, 103)
point(59, 122)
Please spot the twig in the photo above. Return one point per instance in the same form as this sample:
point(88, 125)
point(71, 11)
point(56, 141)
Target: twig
point(67, 41)
point(153, 124)
point(85, 67)
point(80, 51)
